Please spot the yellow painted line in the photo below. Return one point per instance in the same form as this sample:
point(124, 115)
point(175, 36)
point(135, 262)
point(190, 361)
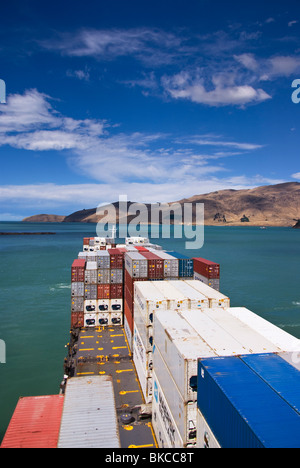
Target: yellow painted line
point(123, 392)
point(85, 373)
point(102, 372)
point(124, 370)
point(140, 446)
point(119, 347)
point(100, 349)
point(112, 336)
point(88, 337)
point(87, 349)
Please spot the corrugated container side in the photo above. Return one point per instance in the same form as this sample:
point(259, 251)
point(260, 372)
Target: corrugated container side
point(206, 268)
point(155, 265)
point(89, 418)
point(211, 282)
point(278, 374)
point(161, 413)
point(77, 319)
point(184, 412)
point(186, 265)
point(103, 291)
point(35, 423)
point(116, 291)
point(241, 409)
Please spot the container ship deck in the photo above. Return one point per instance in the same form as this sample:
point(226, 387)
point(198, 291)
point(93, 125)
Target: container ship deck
point(158, 359)
point(105, 351)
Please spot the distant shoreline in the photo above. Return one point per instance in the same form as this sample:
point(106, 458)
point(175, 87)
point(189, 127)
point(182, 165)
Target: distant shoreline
point(27, 233)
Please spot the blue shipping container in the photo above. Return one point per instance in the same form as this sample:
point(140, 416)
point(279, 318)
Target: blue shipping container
point(186, 265)
point(242, 409)
point(279, 374)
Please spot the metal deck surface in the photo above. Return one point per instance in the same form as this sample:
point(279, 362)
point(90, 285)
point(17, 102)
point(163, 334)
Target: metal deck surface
point(104, 351)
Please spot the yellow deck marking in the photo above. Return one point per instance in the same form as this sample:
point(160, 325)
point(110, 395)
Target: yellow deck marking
point(140, 446)
point(123, 392)
point(119, 347)
point(102, 372)
point(88, 337)
point(87, 349)
point(124, 370)
point(85, 373)
point(112, 336)
point(100, 349)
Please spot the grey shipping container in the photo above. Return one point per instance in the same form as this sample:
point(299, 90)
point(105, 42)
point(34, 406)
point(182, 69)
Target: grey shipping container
point(212, 282)
point(77, 304)
point(136, 265)
point(77, 289)
point(91, 277)
point(89, 418)
point(90, 292)
point(103, 259)
point(116, 276)
point(104, 276)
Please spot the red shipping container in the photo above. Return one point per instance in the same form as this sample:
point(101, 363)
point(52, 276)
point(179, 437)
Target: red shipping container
point(141, 248)
point(86, 241)
point(116, 291)
point(116, 258)
point(206, 268)
point(103, 291)
point(35, 423)
point(129, 282)
point(77, 271)
point(129, 316)
point(155, 265)
point(128, 297)
point(77, 319)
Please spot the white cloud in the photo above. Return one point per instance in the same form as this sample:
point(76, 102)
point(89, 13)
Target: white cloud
point(147, 167)
point(184, 86)
point(296, 176)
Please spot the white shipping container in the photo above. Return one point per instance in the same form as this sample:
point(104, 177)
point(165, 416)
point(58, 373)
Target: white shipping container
point(149, 299)
point(136, 240)
point(205, 436)
point(227, 335)
point(89, 417)
point(197, 300)
point(90, 320)
point(212, 282)
point(103, 319)
point(216, 299)
point(162, 417)
point(146, 333)
point(180, 347)
point(116, 305)
point(175, 299)
point(90, 306)
point(184, 413)
point(116, 318)
point(271, 332)
point(141, 361)
point(82, 255)
point(103, 305)
point(136, 265)
point(91, 258)
point(128, 333)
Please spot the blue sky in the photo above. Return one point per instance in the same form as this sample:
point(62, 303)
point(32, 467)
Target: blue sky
point(156, 100)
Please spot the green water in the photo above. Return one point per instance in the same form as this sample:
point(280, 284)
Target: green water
point(259, 270)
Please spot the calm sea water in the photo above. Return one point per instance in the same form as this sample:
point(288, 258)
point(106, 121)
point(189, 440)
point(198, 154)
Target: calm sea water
point(259, 270)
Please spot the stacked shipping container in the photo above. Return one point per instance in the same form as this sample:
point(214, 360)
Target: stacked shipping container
point(208, 272)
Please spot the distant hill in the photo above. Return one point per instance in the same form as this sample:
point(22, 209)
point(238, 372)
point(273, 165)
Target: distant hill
point(271, 205)
point(44, 218)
